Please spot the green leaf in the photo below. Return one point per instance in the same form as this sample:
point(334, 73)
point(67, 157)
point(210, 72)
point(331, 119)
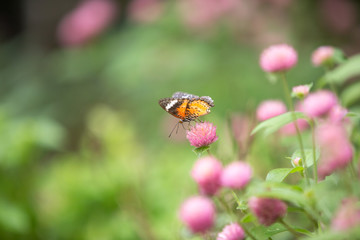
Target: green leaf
point(242, 205)
point(248, 218)
point(13, 218)
point(279, 174)
point(352, 114)
point(348, 69)
point(351, 94)
point(308, 155)
point(199, 151)
point(283, 191)
point(262, 232)
point(273, 124)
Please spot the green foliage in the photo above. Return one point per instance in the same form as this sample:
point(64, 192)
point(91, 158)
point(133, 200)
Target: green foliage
point(279, 174)
point(346, 70)
point(273, 124)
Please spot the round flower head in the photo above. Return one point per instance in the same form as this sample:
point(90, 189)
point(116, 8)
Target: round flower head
point(198, 214)
point(319, 103)
point(337, 114)
point(206, 172)
point(301, 91)
point(347, 216)
point(278, 58)
point(202, 134)
point(236, 175)
point(267, 210)
point(87, 21)
point(322, 56)
point(270, 108)
point(335, 147)
point(231, 232)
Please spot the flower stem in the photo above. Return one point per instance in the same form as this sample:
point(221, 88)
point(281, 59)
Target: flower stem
point(289, 228)
point(228, 210)
point(314, 151)
point(288, 98)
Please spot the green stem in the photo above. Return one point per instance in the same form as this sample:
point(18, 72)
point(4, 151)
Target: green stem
point(228, 210)
point(352, 169)
point(314, 151)
point(291, 106)
point(289, 228)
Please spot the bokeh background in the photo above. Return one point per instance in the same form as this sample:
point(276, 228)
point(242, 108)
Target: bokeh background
point(84, 147)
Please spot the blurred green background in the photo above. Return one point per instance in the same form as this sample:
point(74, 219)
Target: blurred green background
point(84, 152)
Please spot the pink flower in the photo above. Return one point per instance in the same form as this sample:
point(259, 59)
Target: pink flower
point(198, 214)
point(319, 103)
point(337, 114)
point(297, 161)
point(202, 134)
point(145, 11)
point(301, 91)
point(206, 172)
point(269, 109)
point(231, 232)
point(335, 147)
point(87, 21)
point(278, 58)
point(236, 175)
point(290, 129)
point(198, 14)
point(347, 216)
point(267, 210)
point(322, 56)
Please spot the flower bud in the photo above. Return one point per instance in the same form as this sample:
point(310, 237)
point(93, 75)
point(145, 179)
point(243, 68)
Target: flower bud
point(231, 232)
point(267, 210)
point(278, 58)
point(206, 172)
point(198, 214)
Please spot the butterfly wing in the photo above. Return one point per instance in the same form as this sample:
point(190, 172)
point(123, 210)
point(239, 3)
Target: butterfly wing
point(175, 106)
point(197, 108)
point(184, 95)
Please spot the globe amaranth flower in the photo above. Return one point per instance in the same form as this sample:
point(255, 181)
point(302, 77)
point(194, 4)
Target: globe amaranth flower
point(236, 175)
point(337, 114)
point(85, 22)
point(202, 134)
point(319, 103)
point(267, 210)
point(145, 11)
point(347, 216)
point(231, 232)
point(301, 91)
point(206, 172)
point(336, 151)
point(323, 56)
point(278, 58)
point(198, 214)
point(269, 109)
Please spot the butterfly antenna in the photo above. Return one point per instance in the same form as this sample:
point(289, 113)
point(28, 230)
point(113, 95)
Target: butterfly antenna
point(176, 125)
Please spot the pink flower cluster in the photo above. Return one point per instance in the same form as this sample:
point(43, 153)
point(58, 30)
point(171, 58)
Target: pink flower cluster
point(322, 56)
point(210, 176)
point(278, 58)
point(202, 134)
point(267, 210)
point(86, 22)
point(347, 216)
point(231, 232)
point(336, 149)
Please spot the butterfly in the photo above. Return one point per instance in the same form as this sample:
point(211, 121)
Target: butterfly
point(187, 107)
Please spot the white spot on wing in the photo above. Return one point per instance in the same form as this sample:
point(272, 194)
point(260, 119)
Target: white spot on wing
point(170, 104)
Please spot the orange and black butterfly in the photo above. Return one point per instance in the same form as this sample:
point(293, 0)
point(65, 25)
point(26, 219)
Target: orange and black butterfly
point(187, 107)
